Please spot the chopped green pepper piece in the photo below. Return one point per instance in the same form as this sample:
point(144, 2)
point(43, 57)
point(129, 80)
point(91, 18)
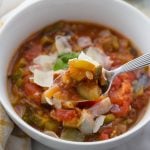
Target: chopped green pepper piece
point(19, 82)
point(109, 118)
point(34, 119)
point(72, 134)
point(115, 42)
point(17, 74)
point(22, 62)
point(46, 40)
point(128, 121)
point(52, 125)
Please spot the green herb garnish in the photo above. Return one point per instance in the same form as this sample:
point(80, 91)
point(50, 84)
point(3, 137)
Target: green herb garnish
point(60, 65)
point(62, 61)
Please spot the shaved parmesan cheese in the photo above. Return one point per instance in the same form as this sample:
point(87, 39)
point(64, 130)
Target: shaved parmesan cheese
point(62, 44)
point(43, 78)
point(85, 57)
point(45, 61)
point(47, 100)
point(84, 41)
point(53, 102)
point(33, 67)
point(58, 72)
point(87, 122)
point(57, 103)
point(101, 107)
point(98, 123)
point(99, 56)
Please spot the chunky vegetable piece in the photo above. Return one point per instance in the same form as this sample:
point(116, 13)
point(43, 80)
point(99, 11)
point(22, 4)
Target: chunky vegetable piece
point(56, 82)
point(33, 92)
point(64, 115)
point(89, 91)
point(82, 64)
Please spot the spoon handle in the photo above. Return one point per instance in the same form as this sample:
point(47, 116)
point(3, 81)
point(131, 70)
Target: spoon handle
point(134, 64)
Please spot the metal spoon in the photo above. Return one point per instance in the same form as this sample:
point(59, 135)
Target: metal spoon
point(134, 64)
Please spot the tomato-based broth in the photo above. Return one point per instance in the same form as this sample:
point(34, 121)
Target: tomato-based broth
point(56, 83)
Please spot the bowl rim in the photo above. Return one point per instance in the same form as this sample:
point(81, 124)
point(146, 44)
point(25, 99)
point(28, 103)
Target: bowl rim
point(27, 128)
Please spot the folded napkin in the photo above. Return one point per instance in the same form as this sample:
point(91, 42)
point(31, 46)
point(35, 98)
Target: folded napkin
point(6, 127)
point(11, 137)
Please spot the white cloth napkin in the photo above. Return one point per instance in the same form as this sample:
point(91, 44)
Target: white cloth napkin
point(16, 141)
point(6, 127)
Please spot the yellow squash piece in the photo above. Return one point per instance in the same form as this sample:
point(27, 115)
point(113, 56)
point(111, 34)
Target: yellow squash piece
point(82, 64)
point(50, 92)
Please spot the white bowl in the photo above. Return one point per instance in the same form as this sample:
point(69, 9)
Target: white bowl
point(29, 18)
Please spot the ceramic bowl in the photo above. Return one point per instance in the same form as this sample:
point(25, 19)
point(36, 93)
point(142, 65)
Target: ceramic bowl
point(31, 17)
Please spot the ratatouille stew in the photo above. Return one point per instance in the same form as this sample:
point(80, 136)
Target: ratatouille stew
point(55, 82)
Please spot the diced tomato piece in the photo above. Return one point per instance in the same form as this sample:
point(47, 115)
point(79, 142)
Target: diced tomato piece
point(126, 87)
point(33, 52)
point(33, 91)
point(116, 62)
point(116, 97)
point(64, 114)
point(128, 76)
point(117, 82)
point(105, 134)
point(147, 92)
point(124, 93)
point(140, 101)
point(107, 130)
point(124, 109)
point(86, 104)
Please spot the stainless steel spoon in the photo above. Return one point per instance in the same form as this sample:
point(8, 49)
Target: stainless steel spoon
point(134, 64)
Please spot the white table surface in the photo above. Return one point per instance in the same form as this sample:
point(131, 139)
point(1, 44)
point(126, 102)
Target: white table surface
point(142, 141)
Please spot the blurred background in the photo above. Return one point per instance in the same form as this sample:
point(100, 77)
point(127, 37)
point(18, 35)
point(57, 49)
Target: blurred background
point(143, 5)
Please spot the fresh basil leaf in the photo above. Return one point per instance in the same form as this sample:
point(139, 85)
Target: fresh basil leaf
point(62, 61)
point(60, 65)
point(66, 56)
